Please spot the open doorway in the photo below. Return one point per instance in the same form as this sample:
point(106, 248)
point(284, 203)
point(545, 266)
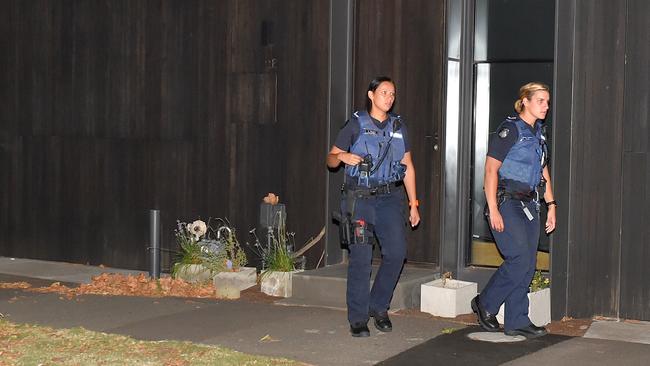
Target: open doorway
point(493, 47)
point(513, 45)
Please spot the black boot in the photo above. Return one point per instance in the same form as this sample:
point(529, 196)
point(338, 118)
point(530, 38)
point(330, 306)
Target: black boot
point(382, 322)
point(360, 329)
point(529, 331)
point(488, 321)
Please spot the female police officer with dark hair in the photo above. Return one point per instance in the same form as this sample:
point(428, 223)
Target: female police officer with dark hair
point(516, 176)
point(373, 146)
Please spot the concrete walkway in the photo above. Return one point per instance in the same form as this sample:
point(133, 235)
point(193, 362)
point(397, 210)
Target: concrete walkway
point(313, 335)
point(56, 271)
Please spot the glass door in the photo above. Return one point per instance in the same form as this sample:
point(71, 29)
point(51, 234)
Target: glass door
point(513, 45)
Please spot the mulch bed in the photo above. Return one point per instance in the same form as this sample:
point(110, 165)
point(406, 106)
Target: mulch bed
point(138, 285)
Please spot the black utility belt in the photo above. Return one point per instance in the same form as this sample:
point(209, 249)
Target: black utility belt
point(519, 196)
point(380, 189)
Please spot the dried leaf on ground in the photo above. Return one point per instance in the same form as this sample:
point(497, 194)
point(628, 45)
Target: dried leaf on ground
point(130, 285)
point(15, 285)
point(267, 338)
point(140, 285)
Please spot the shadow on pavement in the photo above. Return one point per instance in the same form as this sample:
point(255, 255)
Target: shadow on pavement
point(457, 349)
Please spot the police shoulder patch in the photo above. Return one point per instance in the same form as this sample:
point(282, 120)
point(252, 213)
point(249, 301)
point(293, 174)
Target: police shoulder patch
point(503, 132)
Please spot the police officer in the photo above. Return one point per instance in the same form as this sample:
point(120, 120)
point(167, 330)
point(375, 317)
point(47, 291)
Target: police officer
point(373, 145)
point(516, 176)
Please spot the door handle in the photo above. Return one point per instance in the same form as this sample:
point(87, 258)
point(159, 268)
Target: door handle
point(433, 137)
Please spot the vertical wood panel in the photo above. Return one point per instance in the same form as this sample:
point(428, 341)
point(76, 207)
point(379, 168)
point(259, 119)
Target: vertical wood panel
point(118, 107)
point(635, 232)
point(302, 38)
point(605, 183)
point(404, 40)
point(635, 290)
point(561, 163)
point(254, 157)
point(596, 165)
point(637, 77)
point(7, 71)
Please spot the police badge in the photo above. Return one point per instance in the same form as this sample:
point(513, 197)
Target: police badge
point(503, 132)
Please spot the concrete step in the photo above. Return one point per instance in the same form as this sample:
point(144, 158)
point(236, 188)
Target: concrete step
point(326, 287)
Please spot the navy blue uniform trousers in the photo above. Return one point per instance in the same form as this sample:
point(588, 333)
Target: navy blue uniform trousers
point(385, 213)
point(518, 245)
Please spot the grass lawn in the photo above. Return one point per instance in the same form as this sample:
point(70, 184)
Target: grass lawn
point(24, 344)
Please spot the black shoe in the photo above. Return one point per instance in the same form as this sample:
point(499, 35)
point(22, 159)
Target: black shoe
point(359, 330)
point(529, 331)
point(382, 322)
point(488, 322)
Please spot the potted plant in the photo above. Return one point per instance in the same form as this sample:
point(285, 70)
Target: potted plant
point(206, 253)
point(278, 259)
point(447, 297)
point(539, 301)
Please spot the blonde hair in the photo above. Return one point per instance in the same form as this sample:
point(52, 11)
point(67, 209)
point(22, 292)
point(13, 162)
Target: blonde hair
point(527, 91)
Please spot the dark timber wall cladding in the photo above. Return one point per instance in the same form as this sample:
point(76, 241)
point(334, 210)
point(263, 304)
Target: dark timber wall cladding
point(635, 231)
point(606, 181)
point(405, 40)
point(111, 108)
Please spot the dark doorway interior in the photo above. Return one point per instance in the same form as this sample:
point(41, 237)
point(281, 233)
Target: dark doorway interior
point(513, 45)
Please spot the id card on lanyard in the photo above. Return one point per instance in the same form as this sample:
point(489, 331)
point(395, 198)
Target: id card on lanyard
point(527, 212)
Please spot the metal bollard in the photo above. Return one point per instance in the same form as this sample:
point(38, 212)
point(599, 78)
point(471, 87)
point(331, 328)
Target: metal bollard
point(154, 241)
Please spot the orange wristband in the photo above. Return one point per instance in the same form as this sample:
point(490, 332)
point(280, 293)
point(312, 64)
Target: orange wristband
point(415, 203)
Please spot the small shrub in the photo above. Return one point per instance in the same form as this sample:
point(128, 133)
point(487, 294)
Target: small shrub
point(277, 253)
point(217, 250)
point(539, 282)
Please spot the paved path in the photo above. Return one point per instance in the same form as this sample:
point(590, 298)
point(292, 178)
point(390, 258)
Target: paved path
point(56, 271)
point(313, 335)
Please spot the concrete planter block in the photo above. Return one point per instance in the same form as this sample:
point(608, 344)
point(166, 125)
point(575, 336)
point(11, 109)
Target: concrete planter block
point(241, 280)
point(539, 308)
point(227, 292)
point(448, 300)
point(277, 283)
point(193, 273)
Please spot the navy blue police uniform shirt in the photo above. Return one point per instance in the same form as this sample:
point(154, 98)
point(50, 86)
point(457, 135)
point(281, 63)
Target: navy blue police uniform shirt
point(350, 133)
point(502, 141)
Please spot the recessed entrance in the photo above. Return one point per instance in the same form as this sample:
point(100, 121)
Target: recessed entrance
point(512, 45)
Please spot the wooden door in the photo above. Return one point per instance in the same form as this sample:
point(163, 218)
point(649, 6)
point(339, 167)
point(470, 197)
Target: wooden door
point(405, 41)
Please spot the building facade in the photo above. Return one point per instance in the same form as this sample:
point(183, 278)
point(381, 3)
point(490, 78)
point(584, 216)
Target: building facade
point(199, 109)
